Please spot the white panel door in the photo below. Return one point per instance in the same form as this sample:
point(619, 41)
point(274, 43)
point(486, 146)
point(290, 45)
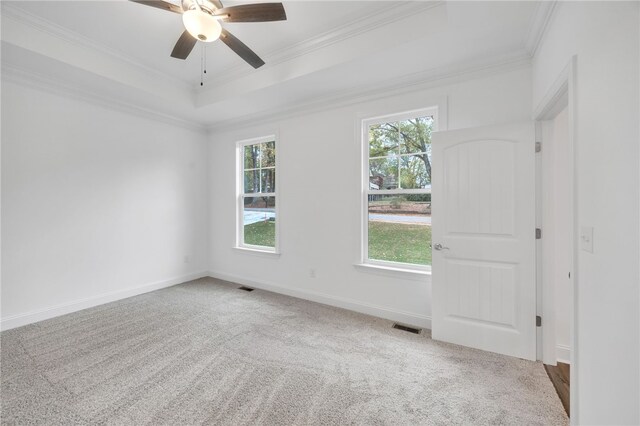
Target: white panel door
point(483, 222)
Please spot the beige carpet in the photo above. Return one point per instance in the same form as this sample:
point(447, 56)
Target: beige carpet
point(205, 352)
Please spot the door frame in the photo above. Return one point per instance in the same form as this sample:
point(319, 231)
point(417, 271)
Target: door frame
point(561, 94)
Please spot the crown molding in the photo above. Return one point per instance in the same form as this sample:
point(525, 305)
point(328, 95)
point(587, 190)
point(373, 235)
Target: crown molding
point(396, 86)
point(39, 81)
point(539, 24)
point(361, 25)
point(11, 11)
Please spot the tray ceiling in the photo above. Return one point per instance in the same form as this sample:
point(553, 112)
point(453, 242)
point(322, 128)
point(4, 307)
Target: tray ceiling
point(324, 49)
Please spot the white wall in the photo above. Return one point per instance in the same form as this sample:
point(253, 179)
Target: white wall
point(319, 184)
point(96, 204)
point(604, 36)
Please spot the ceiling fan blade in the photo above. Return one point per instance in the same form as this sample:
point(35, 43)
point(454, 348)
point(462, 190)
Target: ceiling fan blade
point(260, 12)
point(160, 4)
point(184, 46)
point(241, 49)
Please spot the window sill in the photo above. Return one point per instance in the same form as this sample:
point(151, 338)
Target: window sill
point(413, 274)
point(258, 252)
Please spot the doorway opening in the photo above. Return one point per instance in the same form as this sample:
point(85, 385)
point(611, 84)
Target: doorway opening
point(555, 250)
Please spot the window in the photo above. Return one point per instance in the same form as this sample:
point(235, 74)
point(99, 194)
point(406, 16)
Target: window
point(257, 213)
point(397, 190)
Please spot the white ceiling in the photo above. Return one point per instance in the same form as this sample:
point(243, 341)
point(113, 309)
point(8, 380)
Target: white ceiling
point(119, 50)
point(147, 34)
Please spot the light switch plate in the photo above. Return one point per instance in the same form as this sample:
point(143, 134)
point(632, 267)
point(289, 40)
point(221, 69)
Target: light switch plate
point(586, 238)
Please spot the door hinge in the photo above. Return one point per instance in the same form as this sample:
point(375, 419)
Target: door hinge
point(538, 321)
point(538, 233)
point(538, 146)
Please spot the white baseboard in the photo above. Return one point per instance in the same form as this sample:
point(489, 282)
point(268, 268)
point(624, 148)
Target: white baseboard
point(18, 320)
point(340, 302)
point(408, 318)
point(563, 354)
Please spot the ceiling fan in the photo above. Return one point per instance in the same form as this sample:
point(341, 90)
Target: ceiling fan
point(201, 19)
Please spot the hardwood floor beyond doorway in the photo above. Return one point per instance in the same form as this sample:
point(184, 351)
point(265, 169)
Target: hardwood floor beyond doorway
point(559, 376)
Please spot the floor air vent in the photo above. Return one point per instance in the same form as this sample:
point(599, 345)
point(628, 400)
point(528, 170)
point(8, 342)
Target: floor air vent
point(245, 288)
point(407, 328)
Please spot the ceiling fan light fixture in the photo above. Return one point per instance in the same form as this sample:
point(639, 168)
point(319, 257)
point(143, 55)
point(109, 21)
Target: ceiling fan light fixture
point(201, 25)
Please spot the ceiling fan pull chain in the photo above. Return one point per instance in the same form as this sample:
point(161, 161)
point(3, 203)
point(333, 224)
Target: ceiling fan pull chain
point(204, 47)
point(202, 66)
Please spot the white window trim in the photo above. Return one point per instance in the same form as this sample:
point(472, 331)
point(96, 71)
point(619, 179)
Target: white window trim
point(365, 191)
point(249, 248)
point(408, 274)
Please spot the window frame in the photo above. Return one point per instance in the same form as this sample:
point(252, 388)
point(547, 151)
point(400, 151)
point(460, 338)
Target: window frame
point(240, 195)
point(366, 123)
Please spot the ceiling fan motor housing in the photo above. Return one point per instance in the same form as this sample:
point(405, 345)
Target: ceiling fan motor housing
point(205, 5)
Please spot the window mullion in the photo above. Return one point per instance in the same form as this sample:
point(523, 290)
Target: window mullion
point(399, 155)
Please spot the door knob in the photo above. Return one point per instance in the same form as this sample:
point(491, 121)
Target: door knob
point(440, 247)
